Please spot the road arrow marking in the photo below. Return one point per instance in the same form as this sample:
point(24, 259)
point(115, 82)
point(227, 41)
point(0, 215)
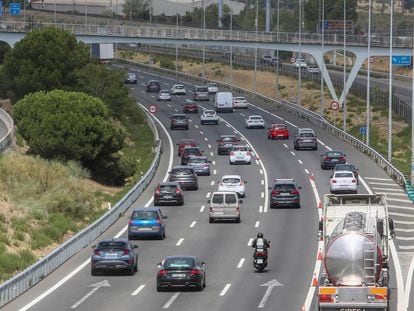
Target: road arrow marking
point(269, 289)
point(95, 286)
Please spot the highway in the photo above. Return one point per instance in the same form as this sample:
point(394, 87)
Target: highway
point(232, 283)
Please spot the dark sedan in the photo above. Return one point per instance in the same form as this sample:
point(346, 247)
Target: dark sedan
point(168, 193)
point(331, 158)
point(114, 254)
point(181, 272)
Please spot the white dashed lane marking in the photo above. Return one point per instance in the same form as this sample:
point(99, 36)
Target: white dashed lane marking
point(306, 171)
point(257, 224)
point(208, 195)
point(140, 288)
point(300, 162)
point(193, 224)
point(261, 209)
point(212, 183)
point(202, 208)
point(171, 300)
point(180, 241)
point(292, 153)
point(225, 289)
point(249, 243)
point(241, 262)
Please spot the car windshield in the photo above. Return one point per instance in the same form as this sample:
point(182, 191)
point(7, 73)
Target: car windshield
point(111, 245)
point(231, 180)
point(344, 174)
point(180, 117)
point(145, 215)
point(179, 263)
point(167, 188)
point(334, 154)
point(198, 160)
point(284, 187)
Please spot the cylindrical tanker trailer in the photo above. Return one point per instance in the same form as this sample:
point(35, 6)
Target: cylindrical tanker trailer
point(355, 230)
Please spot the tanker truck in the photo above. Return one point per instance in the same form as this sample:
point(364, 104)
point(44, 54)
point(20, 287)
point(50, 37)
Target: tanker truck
point(355, 230)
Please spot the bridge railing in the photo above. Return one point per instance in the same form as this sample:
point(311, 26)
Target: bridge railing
point(38, 271)
point(212, 34)
point(7, 140)
point(291, 108)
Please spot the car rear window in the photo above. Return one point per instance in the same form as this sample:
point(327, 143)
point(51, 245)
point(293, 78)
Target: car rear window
point(334, 154)
point(240, 149)
point(179, 87)
point(218, 198)
point(228, 139)
point(344, 174)
point(306, 135)
point(180, 117)
point(183, 171)
point(231, 198)
point(167, 188)
point(202, 89)
point(280, 127)
point(255, 118)
point(344, 167)
point(210, 112)
point(187, 142)
point(112, 245)
point(179, 263)
point(240, 99)
point(284, 187)
point(191, 150)
point(231, 180)
point(154, 83)
point(197, 160)
point(145, 215)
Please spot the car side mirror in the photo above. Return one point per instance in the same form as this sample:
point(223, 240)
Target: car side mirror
point(321, 154)
point(245, 181)
point(357, 169)
point(209, 161)
point(344, 155)
point(203, 263)
point(300, 187)
point(170, 172)
point(164, 217)
point(391, 226)
point(135, 246)
point(93, 246)
point(208, 201)
point(240, 201)
point(269, 188)
point(159, 265)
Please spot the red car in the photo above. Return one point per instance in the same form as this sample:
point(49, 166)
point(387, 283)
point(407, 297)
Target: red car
point(186, 142)
point(278, 131)
point(190, 107)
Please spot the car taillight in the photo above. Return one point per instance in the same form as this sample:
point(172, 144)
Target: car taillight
point(294, 192)
point(158, 190)
point(248, 153)
point(126, 252)
point(334, 181)
point(260, 254)
point(159, 221)
point(195, 271)
point(325, 298)
point(327, 158)
point(241, 183)
point(162, 272)
point(210, 209)
point(353, 181)
point(275, 192)
point(380, 297)
point(238, 210)
point(341, 159)
point(177, 191)
point(96, 253)
point(232, 153)
point(131, 222)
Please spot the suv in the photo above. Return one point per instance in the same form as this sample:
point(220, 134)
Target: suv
point(189, 151)
point(305, 138)
point(224, 205)
point(147, 221)
point(179, 120)
point(226, 143)
point(201, 93)
point(185, 176)
point(131, 78)
point(168, 192)
point(153, 86)
point(284, 192)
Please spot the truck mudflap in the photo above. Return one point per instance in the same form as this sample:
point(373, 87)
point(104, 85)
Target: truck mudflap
point(350, 298)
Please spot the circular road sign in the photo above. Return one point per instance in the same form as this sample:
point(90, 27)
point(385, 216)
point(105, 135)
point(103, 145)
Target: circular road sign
point(334, 105)
point(292, 60)
point(372, 59)
point(152, 108)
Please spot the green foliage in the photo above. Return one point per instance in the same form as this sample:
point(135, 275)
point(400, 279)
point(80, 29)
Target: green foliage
point(167, 63)
point(4, 49)
point(136, 9)
point(43, 60)
point(67, 126)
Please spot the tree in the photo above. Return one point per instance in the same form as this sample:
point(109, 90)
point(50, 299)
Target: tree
point(136, 9)
point(42, 61)
point(107, 84)
point(4, 49)
point(68, 126)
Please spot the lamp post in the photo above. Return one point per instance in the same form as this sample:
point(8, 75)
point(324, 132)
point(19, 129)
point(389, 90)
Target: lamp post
point(368, 74)
point(176, 48)
point(299, 100)
point(86, 12)
point(344, 72)
point(255, 50)
point(231, 47)
point(277, 51)
point(390, 88)
point(323, 60)
point(203, 24)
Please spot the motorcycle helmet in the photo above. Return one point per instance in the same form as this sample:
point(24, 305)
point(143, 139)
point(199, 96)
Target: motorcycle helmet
point(260, 235)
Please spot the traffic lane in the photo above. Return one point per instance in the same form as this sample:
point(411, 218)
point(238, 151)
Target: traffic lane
point(77, 260)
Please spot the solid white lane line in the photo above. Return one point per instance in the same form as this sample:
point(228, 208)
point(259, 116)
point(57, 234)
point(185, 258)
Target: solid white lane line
point(208, 195)
point(377, 178)
point(227, 125)
point(400, 214)
point(406, 247)
point(385, 184)
point(225, 289)
point(395, 193)
point(329, 148)
point(291, 124)
point(306, 171)
point(214, 172)
point(398, 200)
point(241, 262)
point(406, 208)
point(404, 238)
point(300, 162)
point(171, 300)
point(401, 222)
point(321, 142)
point(202, 208)
point(387, 189)
point(140, 288)
point(404, 230)
point(261, 209)
point(257, 224)
point(249, 243)
point(193, 224)
point(180, 241)
point(212, 183)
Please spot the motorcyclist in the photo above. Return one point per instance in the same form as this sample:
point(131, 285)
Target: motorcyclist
point(260, 242)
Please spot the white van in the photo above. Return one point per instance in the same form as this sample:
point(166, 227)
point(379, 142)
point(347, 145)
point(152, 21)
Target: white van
point(224, 205)
point(223, 102)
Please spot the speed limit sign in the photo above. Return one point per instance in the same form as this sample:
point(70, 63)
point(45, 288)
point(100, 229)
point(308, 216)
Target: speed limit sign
point(153, 109)
point(292, 60)
point(334, 105)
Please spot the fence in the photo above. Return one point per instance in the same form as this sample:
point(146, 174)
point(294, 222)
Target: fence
point(38, 271)
point(7, 140)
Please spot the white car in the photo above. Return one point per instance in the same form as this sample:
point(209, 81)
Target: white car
point(240, 154)
point(254, 121)
point(212, 88)
point(343, 181)
point(240, 102)
point(233, 183)
point(178, 89)
point(209, 116)
point(164, 95)
point(300, 64)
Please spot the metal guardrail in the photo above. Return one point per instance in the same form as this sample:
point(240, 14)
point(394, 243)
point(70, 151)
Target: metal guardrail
point(38, 271)
point(294, 109)
point(211, 34)
point(7, 140)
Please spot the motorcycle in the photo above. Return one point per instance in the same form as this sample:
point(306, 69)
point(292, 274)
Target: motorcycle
point(260, 258)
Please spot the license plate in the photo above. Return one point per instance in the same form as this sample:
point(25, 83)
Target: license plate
point(285, 193)
point(168, 197)
point(111, 255)
point(240, 158)
point(334, 160)
point(259, 260)
point(279, 134)
point(219, 213)
point(178, 275)
point(307, 141)
point(144, 229)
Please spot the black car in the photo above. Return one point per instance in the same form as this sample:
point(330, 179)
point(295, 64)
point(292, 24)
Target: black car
point(168, 193)
point(226, 143)
point(131, 78)
point(181, 272)
point(179, 121)
point(331, 158)
point(347, 167)
point(153, 86)
point(189, 151)
point(284, 192)
point(115, 253)
point(185, 176)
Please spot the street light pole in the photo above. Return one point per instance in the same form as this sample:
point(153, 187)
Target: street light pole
point(203, 24)
point(390, 88)
point(323, 59)
point(255, 53)
point(299, 100)
point(344, 72)
point(369, 74)
point(277, 51)
point(176, 48)
point(231, 47)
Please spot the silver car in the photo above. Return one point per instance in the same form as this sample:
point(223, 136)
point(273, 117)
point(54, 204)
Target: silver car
point(164, 95)
point(209, 116)
point(200, 164)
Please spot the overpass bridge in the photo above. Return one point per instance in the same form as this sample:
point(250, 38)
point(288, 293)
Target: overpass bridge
point(309, 43)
